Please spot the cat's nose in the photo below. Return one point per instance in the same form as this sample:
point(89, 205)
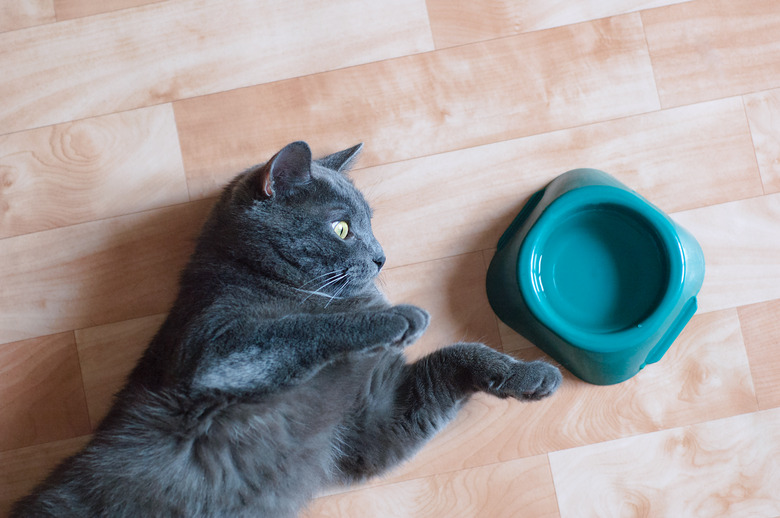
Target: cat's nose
point(379, 261)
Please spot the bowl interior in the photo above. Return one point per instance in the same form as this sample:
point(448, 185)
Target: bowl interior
point(601, 269)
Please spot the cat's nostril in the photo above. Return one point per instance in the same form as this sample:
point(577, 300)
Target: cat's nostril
point(379, 261)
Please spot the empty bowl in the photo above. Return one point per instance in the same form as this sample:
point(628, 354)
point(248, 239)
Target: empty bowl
point(596, 276)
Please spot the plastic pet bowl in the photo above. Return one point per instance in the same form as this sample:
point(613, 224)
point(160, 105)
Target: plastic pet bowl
point(596, 276)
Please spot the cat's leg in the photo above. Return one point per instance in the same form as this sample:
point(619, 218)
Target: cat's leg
point(462, 369)
point(288, 350)
point(425, 395)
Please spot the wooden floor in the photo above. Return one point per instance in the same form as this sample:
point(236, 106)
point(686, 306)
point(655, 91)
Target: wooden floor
point(121, 119)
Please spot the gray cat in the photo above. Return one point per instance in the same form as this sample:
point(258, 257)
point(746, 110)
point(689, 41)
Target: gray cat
point(280, 368)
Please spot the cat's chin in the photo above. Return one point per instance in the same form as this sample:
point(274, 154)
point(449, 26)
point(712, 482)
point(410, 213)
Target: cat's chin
point(369, 289)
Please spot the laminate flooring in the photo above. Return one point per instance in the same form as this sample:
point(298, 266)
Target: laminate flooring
point(121, 120)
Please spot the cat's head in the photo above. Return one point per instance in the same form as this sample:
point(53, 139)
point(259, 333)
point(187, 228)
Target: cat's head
point(301, 222)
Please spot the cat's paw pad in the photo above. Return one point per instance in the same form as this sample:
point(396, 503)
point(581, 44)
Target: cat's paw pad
point(532, 381)
point(417, 321)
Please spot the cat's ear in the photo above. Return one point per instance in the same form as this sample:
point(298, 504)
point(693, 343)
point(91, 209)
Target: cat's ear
point(341, 160)
point(288, 169)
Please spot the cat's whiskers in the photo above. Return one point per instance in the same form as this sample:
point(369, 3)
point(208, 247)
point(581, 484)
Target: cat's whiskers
point(329, 275)
point(333, 279)
point(340, 290)
point(312, 293)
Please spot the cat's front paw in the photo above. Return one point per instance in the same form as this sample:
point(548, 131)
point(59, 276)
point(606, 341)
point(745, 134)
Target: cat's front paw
point(531, 381)
point(417, 320)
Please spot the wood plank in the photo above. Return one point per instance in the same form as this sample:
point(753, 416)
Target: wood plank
point(404, 108)
point(459, 22)
point(452, 290)
point(41, 394)
point(69, 9)
point(462, 201)
point(23, 469)
point(95, 273)
point(18, 15)
point(705, 375)
point(741, 243)
point(90, 169)
point(708, 49)
point(725, 468)
point(519, 488)
point(456, 140)
point(763, 111)
point(172, 50)
point(761, 331)
point(107, 354)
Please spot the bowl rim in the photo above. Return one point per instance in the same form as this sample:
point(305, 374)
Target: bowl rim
point(583, 199)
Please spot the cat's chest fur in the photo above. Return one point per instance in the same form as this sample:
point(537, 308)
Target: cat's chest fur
point(232, 452)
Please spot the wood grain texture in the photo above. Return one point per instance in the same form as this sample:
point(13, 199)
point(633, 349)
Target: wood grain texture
point(467, 198)
point(459, 307)
point(107, 354)
point(41, 394)
point(761, 332)
point(69, 9)
point(117, 112)
point(519, 488)
point(458, 22)
point(705, 375)
point(17, 15)
point(24, 468)
point(691, 471)
point(741, 243)
point(763, 111)
point(95, 273)
point(707, 49)
point(403, 108)
point(90, 169)
point(173, 50)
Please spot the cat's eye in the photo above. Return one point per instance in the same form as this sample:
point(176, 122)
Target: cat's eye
point(341, 228)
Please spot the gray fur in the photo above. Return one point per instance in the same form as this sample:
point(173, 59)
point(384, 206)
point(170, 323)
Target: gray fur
point(279, 370)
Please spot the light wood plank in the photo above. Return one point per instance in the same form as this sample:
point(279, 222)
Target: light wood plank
point(90, 169)
point(452, 290)
point(17, 15)
point(725, 468)
point(426, 104)
point(707, 49)
point(24, 468)
point(741, 243)
point(705, 375)
point(761, 331)
point(507, 490)
point(108, 353)
point(172, 50)
point(462, 201)
point(95, 273)
point(456, 141)
point(41, 394)
point(458, 22)
point(763, 111)
point(69, 9)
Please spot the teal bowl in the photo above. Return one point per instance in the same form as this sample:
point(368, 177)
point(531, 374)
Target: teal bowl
point(596, 276)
